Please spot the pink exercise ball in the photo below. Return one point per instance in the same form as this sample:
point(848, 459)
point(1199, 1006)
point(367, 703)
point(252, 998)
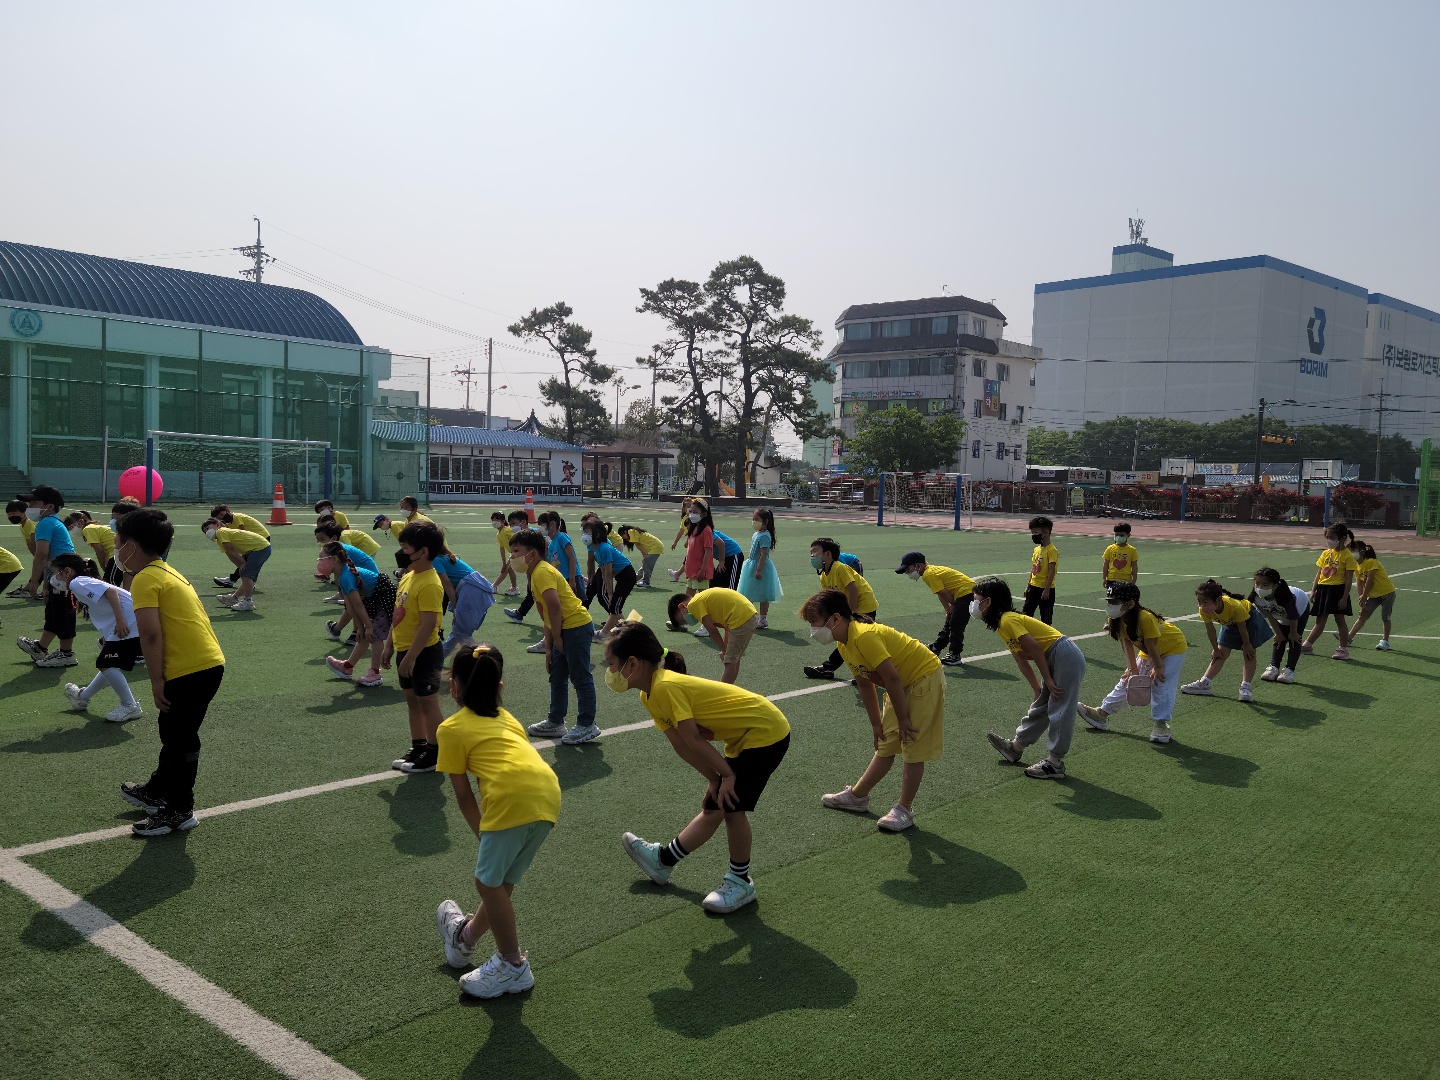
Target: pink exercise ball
point(132, 483)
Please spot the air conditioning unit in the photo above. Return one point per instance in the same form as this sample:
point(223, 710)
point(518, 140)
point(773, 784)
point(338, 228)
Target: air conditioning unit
point(342, 480)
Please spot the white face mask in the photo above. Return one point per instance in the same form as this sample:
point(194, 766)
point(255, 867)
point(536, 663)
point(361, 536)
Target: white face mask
point(695, 519)
point(913, 575)
point(1266, 593)
point(34, 513)
point(975, 607)
point(821, 635)
point(58, 585)
point(1114, 611)
point(210, 534)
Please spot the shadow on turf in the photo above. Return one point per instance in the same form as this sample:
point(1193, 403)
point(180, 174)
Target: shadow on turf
point(1288, 715)
point(577, 765)
point(1089, 800)
point(93, 734)
point(417, 807)
point(946, 873)
point(346, 701)
point(1343, 699)
point(511, 1046)
point(756, 973)
point(161, 869)
point(1204, 766)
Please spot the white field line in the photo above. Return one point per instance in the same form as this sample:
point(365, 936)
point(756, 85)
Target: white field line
point(284, 1051)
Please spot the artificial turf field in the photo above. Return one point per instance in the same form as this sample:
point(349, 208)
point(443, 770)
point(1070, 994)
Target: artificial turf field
point(1260, 898)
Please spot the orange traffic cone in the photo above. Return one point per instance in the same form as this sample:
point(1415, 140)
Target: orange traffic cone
point(277, 507)
point(530, 505)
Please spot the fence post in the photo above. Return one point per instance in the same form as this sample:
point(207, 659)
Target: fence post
point(880, 503)
point(328, 464)
point(1325, 520)
point(150, 469)
point(959, 497)
point(1184, 495)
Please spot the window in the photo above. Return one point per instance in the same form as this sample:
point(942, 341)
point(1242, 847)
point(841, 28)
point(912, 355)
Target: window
point(1002, 372)
point(1000, 451)
point(977, 367)
point(975, 449)
point(947, 366)
point(532, 470)
point(50, 395)
point(1002, 410)
point(857, 331)
point(1032, 376)
point(237, 406)
point(977, 327)
point(1019, 414)
point(895, 328)
point(979, 408)
point(940, 324)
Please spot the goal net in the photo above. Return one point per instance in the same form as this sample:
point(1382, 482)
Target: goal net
point(1427, 513)
point(222, 468)
point(942, 495)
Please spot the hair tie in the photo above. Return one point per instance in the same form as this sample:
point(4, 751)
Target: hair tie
point(664, 652)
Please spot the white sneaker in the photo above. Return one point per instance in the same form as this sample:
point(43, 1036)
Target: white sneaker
point(1200, 687)
point(1098, 719)
point(846, 800)
point(227, 598)
point(1286, 676)
point(702, 632)
point(75, 703)
point(450, 920)
point(1270, 674)
point(538, 647)
point(242, 604)
point(674, 574)
point(546, 730)
point(762, 624)
point(59, 658)
point(580, 734)
point(1245, 694)
point(1383, 645)
point(123, 713)
point(495, 977)
point(730, 895)
point(897, 820)
point(1007, 748)
point(647, 857)
point(1160, 733)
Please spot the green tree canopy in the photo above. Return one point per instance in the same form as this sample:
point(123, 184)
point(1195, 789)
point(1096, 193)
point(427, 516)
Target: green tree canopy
point(900, 439)
point(582, 415)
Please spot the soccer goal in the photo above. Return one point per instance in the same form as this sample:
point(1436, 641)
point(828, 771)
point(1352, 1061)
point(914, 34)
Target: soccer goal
point(216, 468)
point(940, 494)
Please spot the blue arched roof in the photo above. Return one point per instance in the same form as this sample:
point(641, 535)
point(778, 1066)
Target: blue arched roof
point(67, 279)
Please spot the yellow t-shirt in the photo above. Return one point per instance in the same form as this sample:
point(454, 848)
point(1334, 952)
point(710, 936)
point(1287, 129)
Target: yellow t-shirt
point(341, 520)
point(516, 786)
point(940, 578)
point(1231, 612)
point(871, 644)
point(1040, 558)
point(1170, 637)
point(359, 538)
point(27, 529)
point(190, 643)
point(726, 606)
point(740, 719)
point(242, 540)
point(502, 540)
point(572, 612)
point(419, 591)
point(250, 525)
point(1380, 583)
point(648, 544)
point(397, 527)
point(1124, 563)
point(839, 575)
point(101, 537)
point(1333, 565)
point(9, 564)
point(1013, 626)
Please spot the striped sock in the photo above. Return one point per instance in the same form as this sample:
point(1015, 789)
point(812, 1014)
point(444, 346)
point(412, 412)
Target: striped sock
point(740, 869)
point(672, 852)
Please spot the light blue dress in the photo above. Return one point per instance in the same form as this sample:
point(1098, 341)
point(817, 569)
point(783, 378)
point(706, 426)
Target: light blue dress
point(767, 590)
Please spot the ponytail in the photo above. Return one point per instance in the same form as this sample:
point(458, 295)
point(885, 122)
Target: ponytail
point(1212, 591)
point(830, 602)
point(478, 673)
point(638, 640)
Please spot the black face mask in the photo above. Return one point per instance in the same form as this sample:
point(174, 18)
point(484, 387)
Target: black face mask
point(14, 521)
point(1037, 538)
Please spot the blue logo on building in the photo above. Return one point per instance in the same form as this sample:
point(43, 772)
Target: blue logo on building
point(1315, 331)
point(26, 323)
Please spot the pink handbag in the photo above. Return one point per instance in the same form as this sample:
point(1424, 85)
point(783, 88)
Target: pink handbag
point(1138, 689)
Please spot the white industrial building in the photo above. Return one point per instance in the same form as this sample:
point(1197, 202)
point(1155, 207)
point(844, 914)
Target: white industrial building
point(941, 354)
point(1206, 341)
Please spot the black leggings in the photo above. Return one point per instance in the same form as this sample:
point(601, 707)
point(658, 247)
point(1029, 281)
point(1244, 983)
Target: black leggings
point(624, 583)
point(952, 633)
point(526, 604)
point(1034, 599)
point(1277, 650)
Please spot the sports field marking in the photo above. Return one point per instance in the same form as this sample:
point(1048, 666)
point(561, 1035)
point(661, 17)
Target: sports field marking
point(284, 1051)
point(1420, 570)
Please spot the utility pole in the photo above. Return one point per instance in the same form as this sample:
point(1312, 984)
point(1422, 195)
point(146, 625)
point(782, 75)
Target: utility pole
point(489, 376)
point(1259, 436)
point(1135, 451)
point(466, 374)
point(256, 252)
point(1379, 429)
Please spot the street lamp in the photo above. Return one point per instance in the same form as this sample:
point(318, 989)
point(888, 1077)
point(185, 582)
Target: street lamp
point(621, 385)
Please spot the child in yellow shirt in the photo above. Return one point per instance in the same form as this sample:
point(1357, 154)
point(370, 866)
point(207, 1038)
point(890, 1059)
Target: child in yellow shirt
point(503, 533)
point(1377, 592)
point(1044, 565)
point(1120, 562)
point(1330, 594)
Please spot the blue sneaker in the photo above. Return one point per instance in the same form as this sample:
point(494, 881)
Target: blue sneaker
point(732, 894)
point(647, 857)
point(580, 733)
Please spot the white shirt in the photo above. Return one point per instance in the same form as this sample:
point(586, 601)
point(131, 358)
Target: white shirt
point(91, 592)
point(1273, 609)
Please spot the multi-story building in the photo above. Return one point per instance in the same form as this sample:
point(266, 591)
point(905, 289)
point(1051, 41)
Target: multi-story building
point(942, 354)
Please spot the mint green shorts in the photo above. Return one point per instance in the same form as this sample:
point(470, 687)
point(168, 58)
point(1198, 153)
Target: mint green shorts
point(505, 854)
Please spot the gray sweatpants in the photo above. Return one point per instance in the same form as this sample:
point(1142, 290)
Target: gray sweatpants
point(1067, 669)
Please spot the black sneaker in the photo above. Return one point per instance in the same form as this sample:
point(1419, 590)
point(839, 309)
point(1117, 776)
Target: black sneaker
point(224, 581)
point(401, 763)
point(953, 659)
point(165, 821)
point(819, 671)
point(139, 795)
point(423, 761)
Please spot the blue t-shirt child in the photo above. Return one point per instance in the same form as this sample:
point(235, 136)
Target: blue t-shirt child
point(362, 580)
point(454, 568)
point(50, 529)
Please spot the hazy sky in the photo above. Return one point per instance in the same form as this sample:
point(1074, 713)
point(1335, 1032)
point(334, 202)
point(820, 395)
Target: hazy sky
point(510, 155)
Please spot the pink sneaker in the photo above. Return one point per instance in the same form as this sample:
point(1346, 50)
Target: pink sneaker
point(846, 800)
point(1341, 653)
point(371, 678)
point(343, 669)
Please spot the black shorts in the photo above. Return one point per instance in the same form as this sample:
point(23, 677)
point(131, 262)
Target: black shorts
point(6, 579)
point(121, 654)
point(727, 575)
point(59, 614)
point(424, 681)
point(1328, 601)
point(752, 769)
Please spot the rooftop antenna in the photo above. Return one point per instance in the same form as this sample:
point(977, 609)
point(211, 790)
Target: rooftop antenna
point(1137, 230)
point(256, 252)
point(944, 290)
